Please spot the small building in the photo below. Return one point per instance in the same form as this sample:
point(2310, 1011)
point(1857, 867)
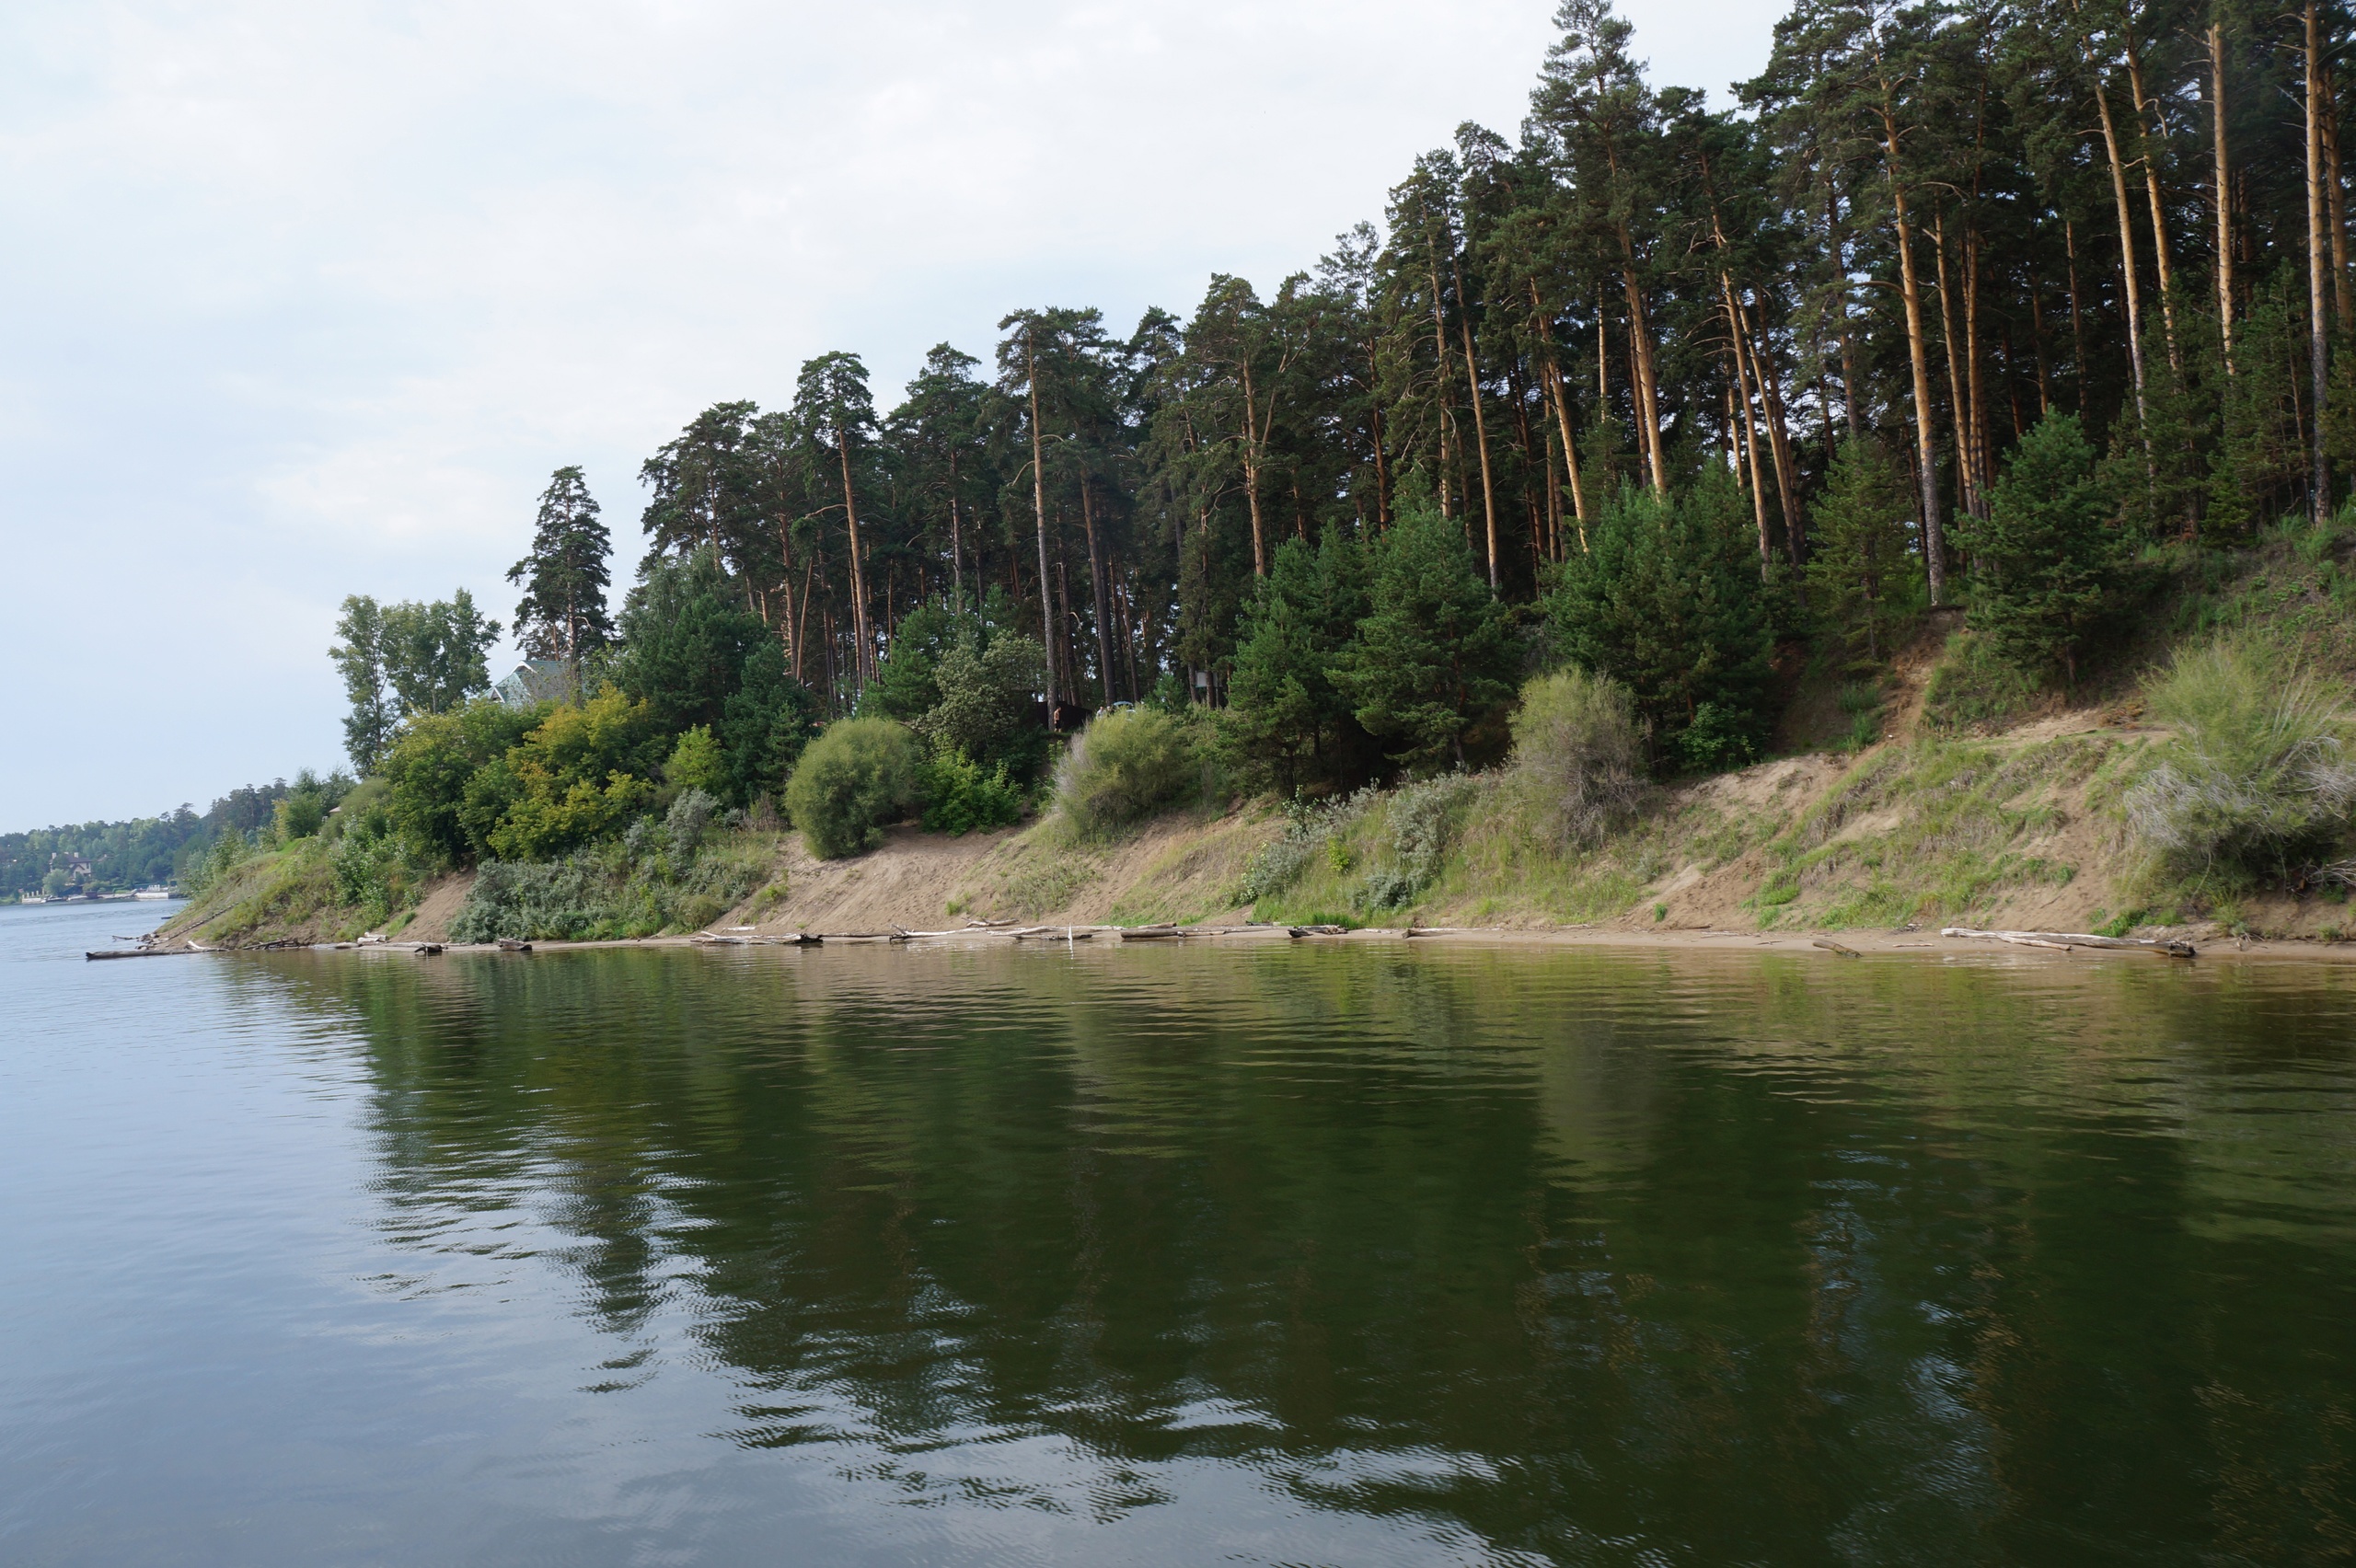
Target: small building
point(536, 681)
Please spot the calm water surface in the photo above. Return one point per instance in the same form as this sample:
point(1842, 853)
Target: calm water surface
point(1280, 1255)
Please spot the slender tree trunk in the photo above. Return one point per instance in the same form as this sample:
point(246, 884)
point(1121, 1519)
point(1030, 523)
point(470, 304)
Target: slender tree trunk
point(864, 654)
point(1648, 388)
point(2224, 189)
point(1480, 422)
point(1441, 355)
point(1744, 435)
point(1849, 381)
point(2148, 128)
point(1563, 414)
point(1958, 413)
point(1935, 534)
point(2134, 288)
point(2036, 335)
point(791, 628)
point(1252, 468)
point(2077, 316)
point(1752, 338)
point(1039, 509)
point(2343, 294)
point(2318, 344)
point(1096, 587)
point(1975, 382)
point(956, 543)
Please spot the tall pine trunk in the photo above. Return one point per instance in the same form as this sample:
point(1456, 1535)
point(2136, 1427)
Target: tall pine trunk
point(2225, 193)
point(863, 654)
point(1096, 586)
point(2318, 249)
point(1480, 422)
point(1562, 413)
point(1039, 510)
point(2149, 129)
point(1926, 452)
point(2132, 284)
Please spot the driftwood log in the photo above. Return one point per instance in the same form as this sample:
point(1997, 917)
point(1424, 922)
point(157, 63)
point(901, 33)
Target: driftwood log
point(2065, 940)
point(1829, 945)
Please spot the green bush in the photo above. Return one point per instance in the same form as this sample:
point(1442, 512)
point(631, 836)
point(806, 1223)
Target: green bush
point(1125, 764)
point(1422, 820)
point(987, 707)
point(960, 797)
point(696, 764)
point(614, 889)
point(858, 778)
point(1579, 753)
point(299, 816)
point(2259, 772)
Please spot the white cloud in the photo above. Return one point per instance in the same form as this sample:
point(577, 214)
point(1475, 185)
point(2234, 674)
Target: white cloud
point(302, 300)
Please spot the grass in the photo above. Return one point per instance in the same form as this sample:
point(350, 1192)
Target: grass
point(1938, 828)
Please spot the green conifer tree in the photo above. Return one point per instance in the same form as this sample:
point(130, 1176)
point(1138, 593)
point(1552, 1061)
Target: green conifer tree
point(1668, 600)
point(1286, 720)
point(1434, 655)
point(1862, 580)
point(563, 614)
point(2047, 561)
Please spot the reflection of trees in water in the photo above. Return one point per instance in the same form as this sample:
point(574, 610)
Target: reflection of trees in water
point(1727, 1250)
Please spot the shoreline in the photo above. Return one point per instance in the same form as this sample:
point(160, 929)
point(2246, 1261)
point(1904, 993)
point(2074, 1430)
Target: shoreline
point(1832, 945)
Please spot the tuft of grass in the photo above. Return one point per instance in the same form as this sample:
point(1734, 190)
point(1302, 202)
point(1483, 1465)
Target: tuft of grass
point(2259, 772)
point(1972, 689)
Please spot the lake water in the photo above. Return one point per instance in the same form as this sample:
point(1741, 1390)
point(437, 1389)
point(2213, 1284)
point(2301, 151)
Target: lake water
point(1268, 1255)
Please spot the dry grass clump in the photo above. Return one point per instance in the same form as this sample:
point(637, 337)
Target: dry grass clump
point(2258, 774)
point(1127, 764)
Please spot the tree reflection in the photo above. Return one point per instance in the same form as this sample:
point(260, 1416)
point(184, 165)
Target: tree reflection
point(1733, 1255)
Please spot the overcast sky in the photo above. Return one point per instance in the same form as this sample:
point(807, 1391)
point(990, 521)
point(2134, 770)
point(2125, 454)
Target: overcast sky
point(300, 300)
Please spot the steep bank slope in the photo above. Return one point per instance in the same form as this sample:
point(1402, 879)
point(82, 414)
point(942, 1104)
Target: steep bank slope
point(2021, 829)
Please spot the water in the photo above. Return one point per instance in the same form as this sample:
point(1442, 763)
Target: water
point(1285, 1255)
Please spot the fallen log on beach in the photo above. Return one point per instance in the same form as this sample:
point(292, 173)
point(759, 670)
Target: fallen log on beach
point(2065, 940)
point(1829, 945)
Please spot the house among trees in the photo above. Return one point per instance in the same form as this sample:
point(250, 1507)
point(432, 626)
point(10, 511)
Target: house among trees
point(536, 681)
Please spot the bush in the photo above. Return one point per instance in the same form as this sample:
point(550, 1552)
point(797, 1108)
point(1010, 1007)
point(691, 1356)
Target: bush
point(611, 890)
point(1579, 753)
point(2259, 772)
point(1422, 820)
point(1308, 825)
point(1719, 739)
point(988, 703)
point(1125, 764)
point(299, 816)
point(535, 903)
point(960, 797)
point(859, 776)
point(696, 764)
point(689, 815)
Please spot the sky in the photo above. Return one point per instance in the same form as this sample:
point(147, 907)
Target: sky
point(304, 300)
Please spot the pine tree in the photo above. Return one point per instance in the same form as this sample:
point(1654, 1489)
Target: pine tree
point(1434, 656)
point(2049, 562)
point(1287, 719)
point(563, 614)
point(1862, 579)
point(1668, 600)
